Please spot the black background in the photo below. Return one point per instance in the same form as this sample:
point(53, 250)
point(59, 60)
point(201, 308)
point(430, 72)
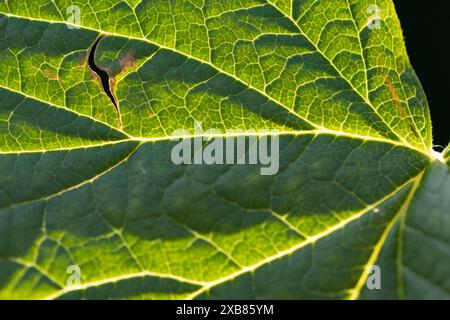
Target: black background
point(426, 26)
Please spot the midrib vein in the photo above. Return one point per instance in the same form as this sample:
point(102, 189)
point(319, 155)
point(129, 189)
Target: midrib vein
point(129, 137)
point(140, 141)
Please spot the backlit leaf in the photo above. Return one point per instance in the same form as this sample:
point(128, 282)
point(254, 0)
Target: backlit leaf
point(358, 184)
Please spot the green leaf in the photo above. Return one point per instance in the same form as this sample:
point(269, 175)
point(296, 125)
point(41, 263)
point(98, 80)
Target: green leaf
point(446, 155)
point(358, 184)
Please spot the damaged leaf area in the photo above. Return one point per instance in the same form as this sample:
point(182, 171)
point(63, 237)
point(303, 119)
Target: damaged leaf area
point(105, 78)
point(92, 207)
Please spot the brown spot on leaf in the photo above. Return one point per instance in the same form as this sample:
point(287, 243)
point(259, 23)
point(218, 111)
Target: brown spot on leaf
point(398, 104)
point(81, 62)
point(394, 97)
point(150, 112)
point(112, 83)
point(127, 61)
point(48, 74)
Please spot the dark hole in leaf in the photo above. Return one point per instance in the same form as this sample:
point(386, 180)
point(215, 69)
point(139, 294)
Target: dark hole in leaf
point(103, 77)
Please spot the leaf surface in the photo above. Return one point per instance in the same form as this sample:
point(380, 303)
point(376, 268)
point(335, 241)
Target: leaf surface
point(358, 184)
